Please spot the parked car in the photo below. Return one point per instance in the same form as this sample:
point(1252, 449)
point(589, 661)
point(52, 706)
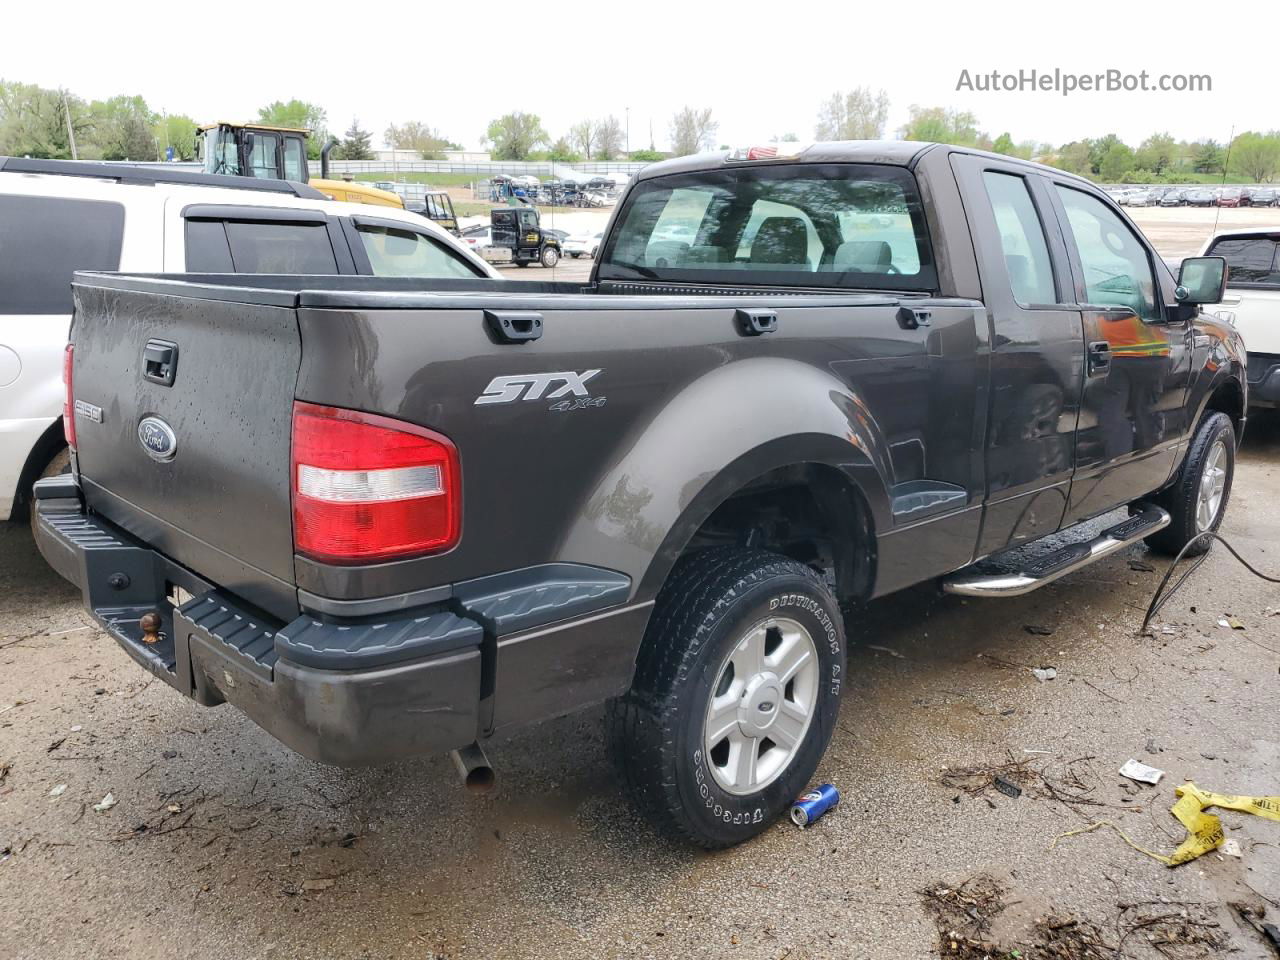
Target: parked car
point(1201, 198)
point(1231, 197)
point(476, 237)
point(1253, 300)
point(57, 216)
point(1173, 198)
point(1262, 196)
point(428, 511)
point(583, 244)
point(1140, 198)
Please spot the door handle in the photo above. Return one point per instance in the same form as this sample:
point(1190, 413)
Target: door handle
point(1098, 361)
point(514, 326)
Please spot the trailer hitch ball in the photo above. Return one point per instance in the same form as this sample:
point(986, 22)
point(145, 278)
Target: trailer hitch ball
point(150, 624)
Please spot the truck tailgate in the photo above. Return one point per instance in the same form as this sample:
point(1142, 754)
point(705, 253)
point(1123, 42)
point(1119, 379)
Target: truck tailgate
point(217, 502)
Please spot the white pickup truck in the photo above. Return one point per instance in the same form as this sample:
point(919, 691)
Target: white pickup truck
point(1253, 295)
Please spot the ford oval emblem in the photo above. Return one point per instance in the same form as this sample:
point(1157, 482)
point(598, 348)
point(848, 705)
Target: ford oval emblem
point(157, 438)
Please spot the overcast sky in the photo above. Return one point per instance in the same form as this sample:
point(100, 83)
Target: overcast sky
point(762, 67)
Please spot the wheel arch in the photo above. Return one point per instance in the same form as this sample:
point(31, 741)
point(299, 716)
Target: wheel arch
point(51, 441)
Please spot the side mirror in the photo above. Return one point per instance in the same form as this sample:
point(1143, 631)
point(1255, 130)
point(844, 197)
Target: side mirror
point(1201, 280)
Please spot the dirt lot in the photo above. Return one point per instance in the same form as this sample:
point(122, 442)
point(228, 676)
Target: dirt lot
point(224, 844)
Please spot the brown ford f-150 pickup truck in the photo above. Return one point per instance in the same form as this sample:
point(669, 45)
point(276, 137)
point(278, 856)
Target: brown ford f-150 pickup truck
point(389, 517)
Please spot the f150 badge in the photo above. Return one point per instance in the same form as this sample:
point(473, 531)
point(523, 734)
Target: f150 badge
point(539, 386)
point(157, 438)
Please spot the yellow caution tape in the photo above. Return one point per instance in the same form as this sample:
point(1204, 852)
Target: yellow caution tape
point(1204, 830)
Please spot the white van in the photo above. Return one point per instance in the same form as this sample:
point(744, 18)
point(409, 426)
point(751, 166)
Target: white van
point(60, 216)
point(1253, 295)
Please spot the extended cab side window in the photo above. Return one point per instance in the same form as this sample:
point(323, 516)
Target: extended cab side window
point(1249, 259)
point(406, 253)
point(1117, 271)
point(1026, 254)
point(258, 246)
point(43, 240)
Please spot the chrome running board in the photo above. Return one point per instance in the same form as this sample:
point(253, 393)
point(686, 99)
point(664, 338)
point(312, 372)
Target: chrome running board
point(1035, 573)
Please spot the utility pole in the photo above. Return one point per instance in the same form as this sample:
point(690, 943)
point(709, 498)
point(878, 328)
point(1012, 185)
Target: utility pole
point(628, 109)
point(71, 134)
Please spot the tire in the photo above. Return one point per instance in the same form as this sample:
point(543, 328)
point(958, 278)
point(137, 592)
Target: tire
point(61, 463)
point(720, 608)
point(575, 255)
point(550, 256)
point(1212, 451)
point(522, 263)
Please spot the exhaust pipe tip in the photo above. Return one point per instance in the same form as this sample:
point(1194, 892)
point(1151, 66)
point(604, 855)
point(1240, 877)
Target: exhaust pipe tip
point(473, 767)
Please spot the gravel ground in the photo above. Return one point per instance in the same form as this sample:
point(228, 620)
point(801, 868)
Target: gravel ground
point(224, 844)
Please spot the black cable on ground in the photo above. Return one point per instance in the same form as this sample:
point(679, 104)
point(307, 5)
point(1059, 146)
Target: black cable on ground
point(1162, 597)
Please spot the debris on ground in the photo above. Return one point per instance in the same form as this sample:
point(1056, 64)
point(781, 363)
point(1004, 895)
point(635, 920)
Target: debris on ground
point(314, 886)
point(1171, 928)
point(1255, 917)
point(1044, 673)
point(879, 649)
point(963, 916)
point(1235, 623)
point(58, 791)
point(1141, 772)
point(1141, 566)
point(1038, 631)
point(5, 767)
point(1231, 848)
point(105, 804)
point(1051, 781)
point(1069, 938)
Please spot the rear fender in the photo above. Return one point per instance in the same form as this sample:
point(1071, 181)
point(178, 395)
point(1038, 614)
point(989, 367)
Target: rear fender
point(710, 440)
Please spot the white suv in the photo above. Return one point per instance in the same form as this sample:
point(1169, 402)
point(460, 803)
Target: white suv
point(58, 216)
point(1253, 298)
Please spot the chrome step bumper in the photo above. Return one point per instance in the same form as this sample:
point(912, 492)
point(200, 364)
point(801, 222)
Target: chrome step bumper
point(1045, 569)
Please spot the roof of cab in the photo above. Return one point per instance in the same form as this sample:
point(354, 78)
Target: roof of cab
point(902, 153)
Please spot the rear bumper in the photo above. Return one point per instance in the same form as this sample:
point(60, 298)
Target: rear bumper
point(349, 695)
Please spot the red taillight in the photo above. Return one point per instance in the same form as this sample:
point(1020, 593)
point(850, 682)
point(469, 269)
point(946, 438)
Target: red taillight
point(69, 396)
point(369, 488)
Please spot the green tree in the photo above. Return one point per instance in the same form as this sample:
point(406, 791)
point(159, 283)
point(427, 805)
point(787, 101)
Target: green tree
point(515, 135)
point(646, 156)
point(583, 137)
point(1098, 149)
point(610, 138)
point(562, 152)
point(941, 125)
point(355, 143)
point(1074, 157)
point(1004, 144)
point(427, 140)
point(176, 130)
point(859, 114)
point(1116, 162)
point(1157, 153)
point(123, 129)
point(34, 120)
point(692, 131)
point(1207, 156)
point(1256, 155)
point(301, 115)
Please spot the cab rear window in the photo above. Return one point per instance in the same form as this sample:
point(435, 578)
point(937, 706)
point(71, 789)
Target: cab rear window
point(44, 240)
point(830, 225)
point(1250, 259)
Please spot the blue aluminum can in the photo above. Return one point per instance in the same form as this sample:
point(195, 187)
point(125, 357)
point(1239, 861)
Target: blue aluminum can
point(814, 804)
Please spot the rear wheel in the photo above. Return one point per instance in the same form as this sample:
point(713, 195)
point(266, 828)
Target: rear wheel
point(1197, 499)
point(736, 694)
point(575, 255)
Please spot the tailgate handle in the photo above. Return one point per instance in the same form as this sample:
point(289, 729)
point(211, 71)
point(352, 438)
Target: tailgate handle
point(160, 362)
point(752, 323)
point(514, 326)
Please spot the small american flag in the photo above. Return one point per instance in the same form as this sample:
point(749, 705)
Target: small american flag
point(762, 153)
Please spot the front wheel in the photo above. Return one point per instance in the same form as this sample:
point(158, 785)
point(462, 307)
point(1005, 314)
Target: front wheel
point(736, 694)
point(1197, 499)
point(550, 256)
